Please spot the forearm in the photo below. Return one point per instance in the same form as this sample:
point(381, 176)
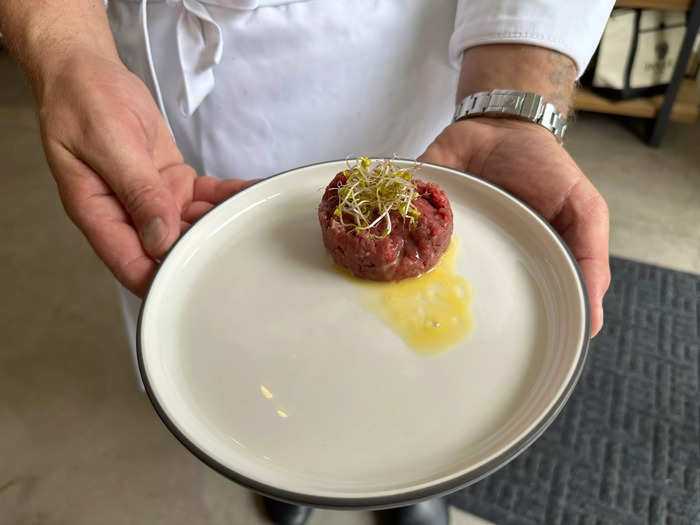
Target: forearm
point(520, 67)
point(44, 35)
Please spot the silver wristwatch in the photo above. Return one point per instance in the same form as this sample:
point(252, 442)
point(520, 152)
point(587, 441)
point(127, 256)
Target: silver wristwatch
point(519, 104)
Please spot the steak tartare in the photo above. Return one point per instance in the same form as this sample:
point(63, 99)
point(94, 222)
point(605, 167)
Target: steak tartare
point(403, 234)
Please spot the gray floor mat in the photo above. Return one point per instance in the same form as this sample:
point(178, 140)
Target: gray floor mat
point(626, 447)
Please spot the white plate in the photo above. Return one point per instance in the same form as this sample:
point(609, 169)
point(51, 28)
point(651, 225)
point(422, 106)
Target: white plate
point(245, 350)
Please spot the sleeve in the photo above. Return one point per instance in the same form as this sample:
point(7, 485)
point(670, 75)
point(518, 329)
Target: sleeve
point(572, 27)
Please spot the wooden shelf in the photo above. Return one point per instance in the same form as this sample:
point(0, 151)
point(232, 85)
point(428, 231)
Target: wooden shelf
point(679, 5)
point(685, 108)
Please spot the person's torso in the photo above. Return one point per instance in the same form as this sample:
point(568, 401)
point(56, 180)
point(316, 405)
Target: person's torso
point(296, 83)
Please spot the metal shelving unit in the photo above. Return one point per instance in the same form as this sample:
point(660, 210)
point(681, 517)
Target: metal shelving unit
point(679, 102)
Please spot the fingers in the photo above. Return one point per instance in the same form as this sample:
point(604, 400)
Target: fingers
point(180, 182)
point(596, 273)
point(101, 218)
point(584, 226)
point(210, 189)
point(195, 210)
point(209, 192)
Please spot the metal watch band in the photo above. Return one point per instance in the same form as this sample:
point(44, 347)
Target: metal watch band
point(520, 104)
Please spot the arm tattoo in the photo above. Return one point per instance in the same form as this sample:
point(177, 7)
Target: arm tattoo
point(561, 77)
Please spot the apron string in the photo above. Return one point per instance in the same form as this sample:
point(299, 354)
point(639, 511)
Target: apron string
point(149, 59)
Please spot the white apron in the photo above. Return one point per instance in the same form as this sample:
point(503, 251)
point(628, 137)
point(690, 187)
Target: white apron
point(250, 89)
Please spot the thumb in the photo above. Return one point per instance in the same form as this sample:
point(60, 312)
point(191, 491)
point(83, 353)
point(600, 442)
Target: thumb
point(143, 193)
point(152, 208)
point(448, 149)
point(434, 154)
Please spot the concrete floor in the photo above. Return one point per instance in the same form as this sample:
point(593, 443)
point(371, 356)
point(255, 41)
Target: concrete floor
point(79, 444)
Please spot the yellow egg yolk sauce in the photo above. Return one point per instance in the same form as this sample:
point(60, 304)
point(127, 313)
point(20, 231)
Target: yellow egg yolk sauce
point(431, 313)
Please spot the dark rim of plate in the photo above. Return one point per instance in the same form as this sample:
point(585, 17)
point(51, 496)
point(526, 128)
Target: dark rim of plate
point(403, 498)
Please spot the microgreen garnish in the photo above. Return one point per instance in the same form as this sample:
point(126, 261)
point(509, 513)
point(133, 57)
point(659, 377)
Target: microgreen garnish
point(371, 192)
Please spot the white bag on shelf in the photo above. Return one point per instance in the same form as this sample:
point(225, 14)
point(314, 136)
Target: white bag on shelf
point(637, 53)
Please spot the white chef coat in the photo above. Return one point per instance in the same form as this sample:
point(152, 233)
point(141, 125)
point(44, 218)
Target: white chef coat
point(250, 88)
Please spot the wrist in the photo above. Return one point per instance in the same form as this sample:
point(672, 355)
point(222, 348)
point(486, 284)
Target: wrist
point(516, 105)
point(521, 68)
point(75, 60)
point(510, 123)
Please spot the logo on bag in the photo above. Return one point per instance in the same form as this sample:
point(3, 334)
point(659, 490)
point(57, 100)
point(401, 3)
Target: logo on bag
point(661, 63)
point(661, 50)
